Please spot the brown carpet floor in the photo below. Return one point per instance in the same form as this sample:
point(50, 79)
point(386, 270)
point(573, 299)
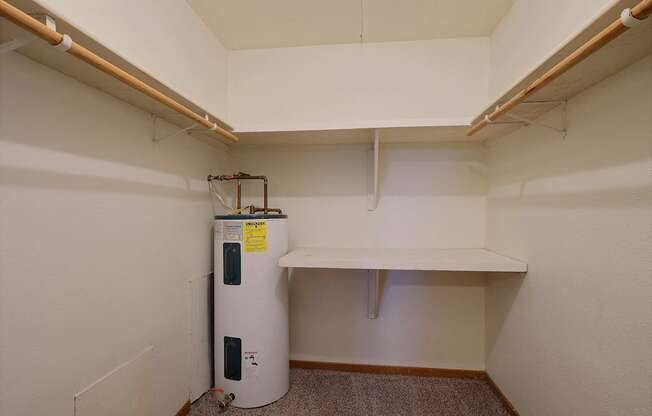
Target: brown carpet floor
point(324, 393)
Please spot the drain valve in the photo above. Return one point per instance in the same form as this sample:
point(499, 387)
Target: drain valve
point(223, 399)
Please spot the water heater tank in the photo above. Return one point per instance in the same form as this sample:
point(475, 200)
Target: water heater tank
point(251, 308)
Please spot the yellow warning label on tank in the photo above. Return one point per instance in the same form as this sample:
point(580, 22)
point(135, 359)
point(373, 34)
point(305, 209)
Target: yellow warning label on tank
point(255, 236)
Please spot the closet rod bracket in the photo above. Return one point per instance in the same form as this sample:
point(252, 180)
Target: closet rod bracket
point(627, 19)
point(19, 42)
point(500, 123)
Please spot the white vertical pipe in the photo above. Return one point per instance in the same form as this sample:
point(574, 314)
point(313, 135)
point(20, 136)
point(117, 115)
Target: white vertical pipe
point(373, 158)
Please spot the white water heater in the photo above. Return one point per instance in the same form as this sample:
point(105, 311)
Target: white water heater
point(251, 308)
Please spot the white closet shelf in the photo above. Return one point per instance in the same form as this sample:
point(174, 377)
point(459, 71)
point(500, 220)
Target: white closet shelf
point(397, 132)
point(450, 259)
point(624, 50)
point(379, 260)
point(43, 53)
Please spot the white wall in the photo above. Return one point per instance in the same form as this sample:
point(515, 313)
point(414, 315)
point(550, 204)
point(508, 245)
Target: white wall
point(431, 196)
point(100, 232)
point(341, 86)
point(530, 32)
point(573, 337)
point(164, 38)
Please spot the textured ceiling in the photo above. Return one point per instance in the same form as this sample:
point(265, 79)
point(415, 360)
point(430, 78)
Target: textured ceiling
point(249, 24)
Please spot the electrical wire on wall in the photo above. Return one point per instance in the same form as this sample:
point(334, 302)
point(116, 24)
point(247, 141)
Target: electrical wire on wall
point(361, 21)
point(217, 195)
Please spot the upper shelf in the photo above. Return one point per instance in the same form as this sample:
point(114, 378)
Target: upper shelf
point(458, 260)
point(446, 133)
point(40, 51)
point(389, 131)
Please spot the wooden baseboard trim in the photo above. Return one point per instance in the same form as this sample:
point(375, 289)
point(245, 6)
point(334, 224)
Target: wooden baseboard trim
point(185, 410)
point(383, 369)
point(501, 396)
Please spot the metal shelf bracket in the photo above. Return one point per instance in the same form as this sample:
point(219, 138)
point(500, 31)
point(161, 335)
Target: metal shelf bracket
point(12, 45)
point(516, 119)
point(187, 130)
point(193, 127)
point(563, 122)
point(375, 285)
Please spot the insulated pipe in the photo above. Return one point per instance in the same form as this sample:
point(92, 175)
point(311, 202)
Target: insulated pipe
point(641, 11)
point(55, 38)
point(239, 195)
point(265, 208)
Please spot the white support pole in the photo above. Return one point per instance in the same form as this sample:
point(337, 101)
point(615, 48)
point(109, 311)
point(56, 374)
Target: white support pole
point(373, 159)
point(375, 282)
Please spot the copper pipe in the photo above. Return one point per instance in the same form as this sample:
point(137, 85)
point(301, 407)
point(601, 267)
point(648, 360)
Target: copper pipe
point(239, 195)
point(265, 207)
point(240, 176)
point(277, 210)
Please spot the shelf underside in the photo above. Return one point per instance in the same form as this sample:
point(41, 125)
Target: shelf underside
point(469, 260)
point(408, 134)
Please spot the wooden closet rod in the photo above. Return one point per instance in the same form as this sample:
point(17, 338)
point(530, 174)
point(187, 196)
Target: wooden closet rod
point(55, 38)
point(641, 11)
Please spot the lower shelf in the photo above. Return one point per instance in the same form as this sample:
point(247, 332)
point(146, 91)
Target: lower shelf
point(450, 259)
point(378, 260)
